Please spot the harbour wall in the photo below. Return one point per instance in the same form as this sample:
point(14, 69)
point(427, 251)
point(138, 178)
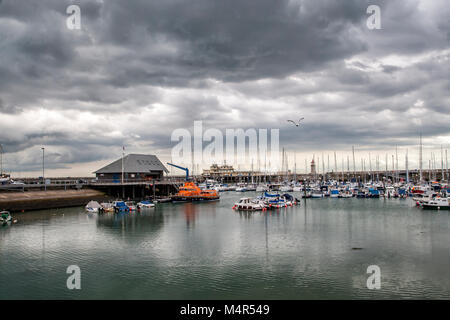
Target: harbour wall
point(50, 199)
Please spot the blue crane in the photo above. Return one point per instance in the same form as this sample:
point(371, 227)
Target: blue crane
point(185, 169)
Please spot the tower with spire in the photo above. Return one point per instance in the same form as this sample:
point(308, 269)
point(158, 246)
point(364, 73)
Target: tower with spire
point(313, 167)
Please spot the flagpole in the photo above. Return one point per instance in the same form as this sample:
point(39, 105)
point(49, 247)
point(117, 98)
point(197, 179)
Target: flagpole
point(123, 154)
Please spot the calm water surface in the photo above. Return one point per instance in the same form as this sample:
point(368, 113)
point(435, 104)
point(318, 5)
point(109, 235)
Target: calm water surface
point(208, 251)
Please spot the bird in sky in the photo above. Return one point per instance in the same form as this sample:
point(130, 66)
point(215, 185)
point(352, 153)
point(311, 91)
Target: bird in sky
point(295, 123)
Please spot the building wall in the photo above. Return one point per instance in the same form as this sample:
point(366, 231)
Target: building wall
point(128, 176)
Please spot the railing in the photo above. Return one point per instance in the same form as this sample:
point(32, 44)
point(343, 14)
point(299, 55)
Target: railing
point(134, 181)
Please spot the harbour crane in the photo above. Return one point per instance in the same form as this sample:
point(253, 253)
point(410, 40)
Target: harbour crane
point(181, 168)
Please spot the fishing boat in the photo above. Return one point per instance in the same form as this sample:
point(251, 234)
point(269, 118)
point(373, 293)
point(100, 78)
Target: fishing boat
point(5, 217)
point(146, 204)
point(248, 204)
point(93, 207)
point(190, 192)
point(437, 204)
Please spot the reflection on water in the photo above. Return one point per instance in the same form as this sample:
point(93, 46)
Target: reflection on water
point(208, 251)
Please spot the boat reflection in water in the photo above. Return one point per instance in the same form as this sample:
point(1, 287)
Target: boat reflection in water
point(189, 213)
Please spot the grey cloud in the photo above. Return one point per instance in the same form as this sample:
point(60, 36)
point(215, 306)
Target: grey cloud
point(144, 68)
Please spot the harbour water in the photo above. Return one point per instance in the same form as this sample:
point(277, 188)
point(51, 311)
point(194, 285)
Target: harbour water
point(318, 250)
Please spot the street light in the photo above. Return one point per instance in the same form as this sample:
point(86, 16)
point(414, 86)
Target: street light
point(43, 168)
point(1, 160)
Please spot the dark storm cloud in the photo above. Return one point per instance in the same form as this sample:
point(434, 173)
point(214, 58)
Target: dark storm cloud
point(139, 69)
point(237, 40)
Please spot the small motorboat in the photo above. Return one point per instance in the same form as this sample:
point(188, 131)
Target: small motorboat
point(5, 217)
point(120, 206)
point(276, 200)
point(162, 200)
point(145, 204)
point(262, 188)
point(107, 206)
point(248, 204)
point(334, 193)
point(286, 188)
point(317, 194)
point(131, 206)
point(346, 194)
point(93, 207)
point(437, 204)
point(290, 200)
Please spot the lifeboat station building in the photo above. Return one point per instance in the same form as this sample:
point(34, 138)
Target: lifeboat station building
point(136, 167)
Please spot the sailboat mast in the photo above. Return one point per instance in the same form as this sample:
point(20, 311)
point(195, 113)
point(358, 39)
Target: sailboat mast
point(442, 163)
point(406, 167)
point(420, 158)
point(354, 165)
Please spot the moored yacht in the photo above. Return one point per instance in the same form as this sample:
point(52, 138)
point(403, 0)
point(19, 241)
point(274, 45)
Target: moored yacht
point(437, 203)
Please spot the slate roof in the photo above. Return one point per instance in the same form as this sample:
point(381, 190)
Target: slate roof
point(134, 163)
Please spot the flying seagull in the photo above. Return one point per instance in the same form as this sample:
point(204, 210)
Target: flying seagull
point(296, 124)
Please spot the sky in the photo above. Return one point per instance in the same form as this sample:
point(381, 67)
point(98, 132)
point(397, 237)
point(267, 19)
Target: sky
point(137, 70)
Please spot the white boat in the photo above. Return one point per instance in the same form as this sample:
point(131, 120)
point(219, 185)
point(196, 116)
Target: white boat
point(93, 207)
point(297, 189)
point(262, 188)
point(421, 198)
point(390, 192)
point(146, 204)
point(107, 206)
point(286, 188)
point(316, 194)
point(131, 205)
point(220, 188)
point(346, 194)
point(248, 204)
point(437, 204)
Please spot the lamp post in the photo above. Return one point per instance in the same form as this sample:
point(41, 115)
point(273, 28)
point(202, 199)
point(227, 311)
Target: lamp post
point(1, 160)
point(43, 168)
